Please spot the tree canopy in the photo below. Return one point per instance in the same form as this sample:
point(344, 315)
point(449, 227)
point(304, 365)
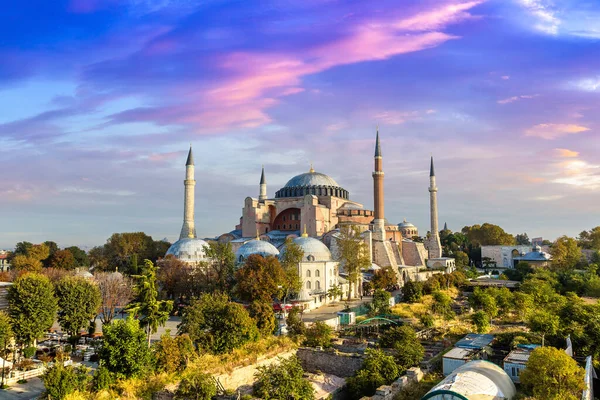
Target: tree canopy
point(78, 303)
point(260, 279)
point(353, 253)
point(565, 252)
point(282, 381)
point(488, 235)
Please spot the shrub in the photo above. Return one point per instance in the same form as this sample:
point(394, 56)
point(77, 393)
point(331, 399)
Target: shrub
point(377, 369)
point(102, 378)
point(196, 386)
point(381, 303)
point(124, 350)
point(408, 350)
point(412, 291)
point(294, 322)
point(61, 381)
point(427, 320)
point(318, 334)
point(283, 381)
point(481, 321)
point(173, 353)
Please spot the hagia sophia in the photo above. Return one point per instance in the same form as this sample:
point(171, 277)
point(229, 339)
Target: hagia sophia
point(310, 209)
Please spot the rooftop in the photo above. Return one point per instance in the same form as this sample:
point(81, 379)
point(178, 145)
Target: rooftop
point(458, 353)
point(518, 356)
point(475, 341)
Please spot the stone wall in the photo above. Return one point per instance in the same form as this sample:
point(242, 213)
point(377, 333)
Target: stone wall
point(387, 392)
point(329, 361)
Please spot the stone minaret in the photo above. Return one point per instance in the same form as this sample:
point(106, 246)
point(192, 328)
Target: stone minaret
point(379, 221)
point(435, 247)
point(188, 230)
point(263, 186)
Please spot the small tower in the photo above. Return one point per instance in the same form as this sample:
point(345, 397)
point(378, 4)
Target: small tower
point(188, 229)
point(263, 186)
point(379, 221)
point(434, 247)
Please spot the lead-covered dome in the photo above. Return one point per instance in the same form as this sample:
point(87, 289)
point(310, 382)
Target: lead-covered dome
point(189, 250)
point(314, 183)
point(255, 246)
point(314, 249)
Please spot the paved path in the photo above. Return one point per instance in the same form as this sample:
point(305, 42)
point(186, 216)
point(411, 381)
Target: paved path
point(24, 391)
point(330, 311)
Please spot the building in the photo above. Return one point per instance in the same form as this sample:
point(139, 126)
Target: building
point(535, 258)
point(503, 256)
point(471, 347)
point(4, 264)
point(515, 362)
point(408, 230)
point(475, 380)
point(3, 295)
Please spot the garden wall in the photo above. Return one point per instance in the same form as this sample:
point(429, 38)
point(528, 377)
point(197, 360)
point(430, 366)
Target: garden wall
point(329, 361)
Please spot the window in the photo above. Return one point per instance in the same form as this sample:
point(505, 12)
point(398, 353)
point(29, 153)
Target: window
point(284, 219)
point(318, 285)
point(310, 258)
point(308, 285)
point(284, 226)
point(514, 372)
point(308, 273)
point(241, 259)
point(317, 273)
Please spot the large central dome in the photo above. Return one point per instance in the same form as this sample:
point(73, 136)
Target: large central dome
point(314, 183)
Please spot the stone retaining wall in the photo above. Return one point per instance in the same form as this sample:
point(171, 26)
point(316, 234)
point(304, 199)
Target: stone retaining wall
point(329, 361)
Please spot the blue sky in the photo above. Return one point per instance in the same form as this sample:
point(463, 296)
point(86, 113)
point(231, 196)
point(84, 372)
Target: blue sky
point(99, 101)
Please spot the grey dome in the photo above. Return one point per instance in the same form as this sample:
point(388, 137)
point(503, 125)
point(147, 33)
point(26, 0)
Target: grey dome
point(311, 179)
point(405, 224)
point(314, 249)
point(313, 183)
point(190, 250)
point(256, 246)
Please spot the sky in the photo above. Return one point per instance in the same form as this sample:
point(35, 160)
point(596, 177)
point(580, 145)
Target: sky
point(100, 100)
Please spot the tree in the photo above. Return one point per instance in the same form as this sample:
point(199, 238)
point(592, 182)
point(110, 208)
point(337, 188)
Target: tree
point(488, 235)
point(442, 304)
point(172, 354)
point(124, 351)
point(6, 337)
point(22, 248)
point(99, 258)
point(178, 279)
point(335, 292)
point(80, 256)
point(385, 279)
point(115, 291)
point(290, 257)
point(260, 279)
point(461, 259)
point(221, 264)
point(408, 350)
point(412, 291)
point(78, 303)
point(319, 334)
point(353, 254)
point(31, 306)
point(565, 253)
point(294, 322)
point(543, 323)
point(216, 324)
point(154, 312)
point(481, 320)
point(377, 369)
point(522, 239)
point(25, 263)
point(264, 316)
point(590, 239)
point(483, 300)
point(60, 380)
point(283, 381)
point(124, 249)
point(196, 385)
point(551, 374)
point(381, 302)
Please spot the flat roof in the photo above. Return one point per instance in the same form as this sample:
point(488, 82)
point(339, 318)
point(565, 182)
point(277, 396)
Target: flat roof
point(475, 341)
point(458, 353)
point(518, 356)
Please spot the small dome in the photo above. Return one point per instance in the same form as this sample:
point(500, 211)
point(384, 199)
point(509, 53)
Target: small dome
point(189, 250)
point(314, 249)
point(255, 246)
point(405, 224)
point(84, 273)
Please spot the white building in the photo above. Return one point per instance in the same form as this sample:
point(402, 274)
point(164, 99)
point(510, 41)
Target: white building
point(4, 265)
point(503, 256)
point(516, 361)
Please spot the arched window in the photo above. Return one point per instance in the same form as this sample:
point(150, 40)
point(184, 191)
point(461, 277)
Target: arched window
point(310, 257)
point(317, 273)
point(241, 259)
point(308, 285)
point(308, 273)
point(318, 285)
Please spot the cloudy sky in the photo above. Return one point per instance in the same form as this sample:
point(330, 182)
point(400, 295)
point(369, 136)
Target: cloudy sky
point(100, 99)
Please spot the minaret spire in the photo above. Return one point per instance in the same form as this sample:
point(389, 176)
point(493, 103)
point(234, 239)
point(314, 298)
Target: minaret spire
point(379, 221)
point(188, 229)
point(263, 186)
point(434, 246)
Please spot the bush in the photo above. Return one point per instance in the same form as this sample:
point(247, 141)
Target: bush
point(283, 381)
point(481, 321)
point(427, 320)
point(377, 369)
point(196, 386)
point(102, 378)
point(29, 351)
point(294, 322)
point(381, 303)
point(61, 381)
point(263, 315)
point(124, 350)
point(412, 291)
point(172, 354)
point(408, 350)
point(318, 334)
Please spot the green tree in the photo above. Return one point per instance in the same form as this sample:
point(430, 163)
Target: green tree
point(172, 354)
point(442, 304)
point(544, 323)
point(461, 259)
point(408, 350)
point(98, 257)
point(381, 303)
point(283, 381)
point(260, 279)
point(412, 291)
point(335, 292)
point(31, 307)
point(154, 312)
point(216, 324)
point(481, 320)
point(385, 279)
point(196, 385)
point(78, 303)
point(264, 316)
point(61, 381)
point(353, 254)
point(25, 263)
point(565, 253)
point(590, 239)
point(62, 259)
point(221, 265)
point(551, 374)
point(488, 235)
point(22, 248)
point(319, 334)
point(377, 369)
point(294, 322)
point(523, 303)
point(522, 239)
point(81, 257)
point(123, 248)
point(483, 300)
point(6, 337)
point(290, 257)
point(124, 351)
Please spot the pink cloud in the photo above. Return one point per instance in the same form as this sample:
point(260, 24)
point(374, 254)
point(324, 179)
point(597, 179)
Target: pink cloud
point(566, 153)
point(554, 131)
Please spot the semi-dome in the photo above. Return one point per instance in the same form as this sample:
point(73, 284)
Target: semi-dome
point(314, 249)
point(255, 246)
point(314, 183)
point(189, 250)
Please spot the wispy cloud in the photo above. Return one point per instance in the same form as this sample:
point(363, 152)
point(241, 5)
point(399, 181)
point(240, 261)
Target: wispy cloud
point(516, 98)
point(543, 14)
point(566, 153)
point(555, 131)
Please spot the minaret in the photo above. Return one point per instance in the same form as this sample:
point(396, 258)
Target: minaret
point(188, 230)
point(263, 186)
point(379, 221)
point(435, 247)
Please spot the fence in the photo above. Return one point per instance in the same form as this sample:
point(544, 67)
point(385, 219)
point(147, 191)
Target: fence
point(16, 376)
